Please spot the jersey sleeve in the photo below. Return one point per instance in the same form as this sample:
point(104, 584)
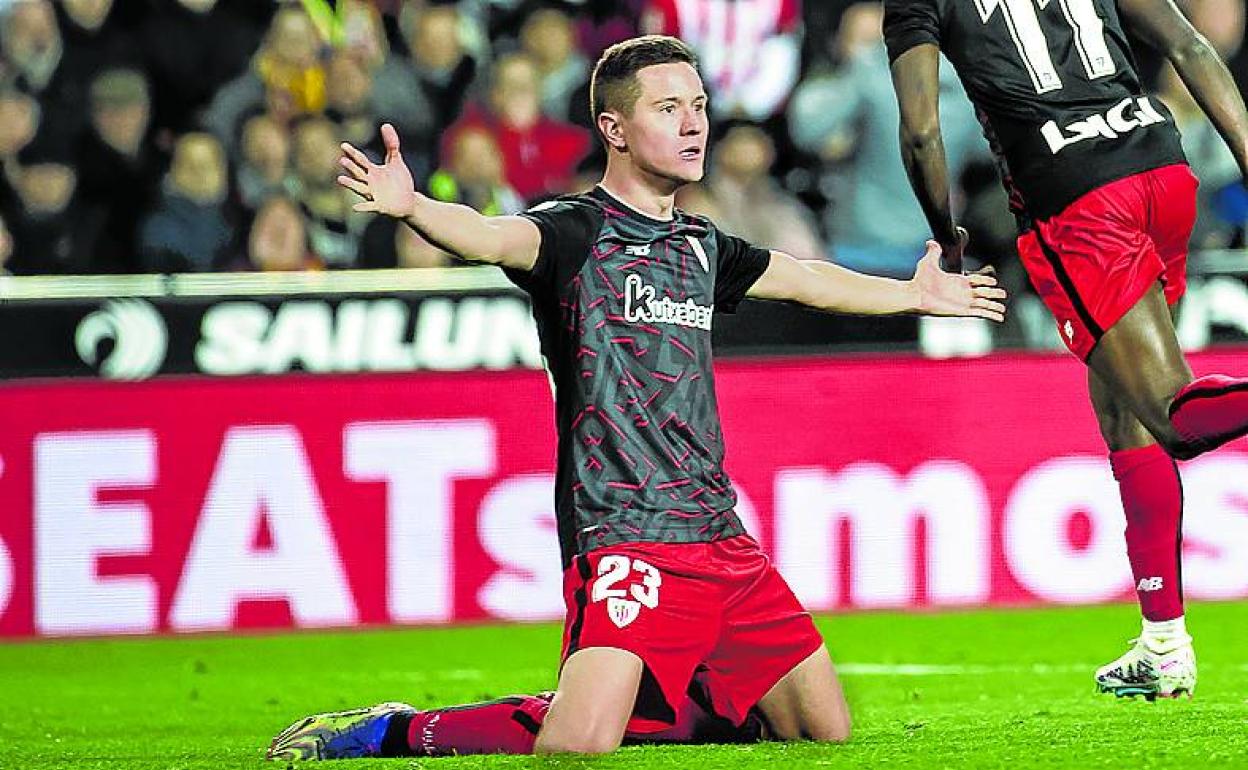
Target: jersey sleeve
point(908, 23)
point(740, 265)
point(568, 229)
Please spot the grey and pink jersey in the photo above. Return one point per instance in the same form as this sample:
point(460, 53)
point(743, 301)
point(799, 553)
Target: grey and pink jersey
point(624, 305)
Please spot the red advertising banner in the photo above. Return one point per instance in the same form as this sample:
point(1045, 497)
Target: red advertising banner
point(192, 504)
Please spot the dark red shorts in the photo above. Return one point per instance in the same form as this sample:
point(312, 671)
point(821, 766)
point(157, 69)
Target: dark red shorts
point(1101, 255)
point(676, 606)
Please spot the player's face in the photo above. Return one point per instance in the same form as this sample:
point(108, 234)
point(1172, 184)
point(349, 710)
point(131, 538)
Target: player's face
point(667, 131)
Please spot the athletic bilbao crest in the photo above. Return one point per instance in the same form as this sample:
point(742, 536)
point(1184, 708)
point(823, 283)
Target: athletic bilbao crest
point(622, 611)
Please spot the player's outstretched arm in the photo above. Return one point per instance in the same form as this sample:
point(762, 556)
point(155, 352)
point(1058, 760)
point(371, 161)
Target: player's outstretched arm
point(387, 188)
point(1163, 26)
point(834, 289)
point(916, 80)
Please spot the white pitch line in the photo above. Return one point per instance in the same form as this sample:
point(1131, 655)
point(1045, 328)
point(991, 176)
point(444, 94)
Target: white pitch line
point(925, 669)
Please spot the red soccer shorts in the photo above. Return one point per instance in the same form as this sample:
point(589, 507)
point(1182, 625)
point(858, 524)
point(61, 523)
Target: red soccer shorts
point(678, 605)
point(1101, 255)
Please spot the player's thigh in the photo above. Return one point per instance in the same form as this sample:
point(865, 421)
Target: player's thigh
point(1120, 428)
point(771, 656)
point(1140, 361)
point(591, 708)
point(808, 702)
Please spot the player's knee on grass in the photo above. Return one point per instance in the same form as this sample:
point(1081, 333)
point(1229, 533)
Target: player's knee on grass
point(808, 703)
point(590, 711)
point(588, 742)
point(833, 726)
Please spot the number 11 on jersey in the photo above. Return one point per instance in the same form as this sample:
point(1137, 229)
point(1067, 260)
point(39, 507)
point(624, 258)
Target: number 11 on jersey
point(1024, 26)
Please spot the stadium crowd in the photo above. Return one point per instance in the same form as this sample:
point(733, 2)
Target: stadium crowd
point(196, 135)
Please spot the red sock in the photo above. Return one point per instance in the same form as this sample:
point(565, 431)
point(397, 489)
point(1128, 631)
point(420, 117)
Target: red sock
point(1152, 498)
point(510, 726)
point(504, 726)
point(1210, 411)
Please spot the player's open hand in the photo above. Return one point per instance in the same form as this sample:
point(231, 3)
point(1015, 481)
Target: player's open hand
point(952, 294)
point(386, 188)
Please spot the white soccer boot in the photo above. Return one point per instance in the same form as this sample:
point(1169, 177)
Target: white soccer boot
point(1152, 669)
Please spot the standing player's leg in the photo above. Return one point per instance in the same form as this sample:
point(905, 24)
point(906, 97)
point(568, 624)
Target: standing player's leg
point(1138, 360)
point(1161, 662)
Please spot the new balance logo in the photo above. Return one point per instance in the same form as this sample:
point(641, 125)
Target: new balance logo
point(1150, 584)
point(638, 251)
point(641, 306)
point(1113, 124)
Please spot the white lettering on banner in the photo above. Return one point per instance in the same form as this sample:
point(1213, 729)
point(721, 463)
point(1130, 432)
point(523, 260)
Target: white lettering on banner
point(384, 349)
point(262, 473)
point(517, 530)
point(301, 334)
point(882, 508)
point(1036, 541)
point(419, 461)
point(232, 338)
point(6, 568)
point(1215, 527)
point(73, 529)
point(6, 577)
point(367, 335)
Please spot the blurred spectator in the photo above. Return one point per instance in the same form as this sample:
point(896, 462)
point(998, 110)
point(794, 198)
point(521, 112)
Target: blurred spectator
point(192, 49)
point(749, 50)
point(474, 175)
point(264, 160)
point(35, 62)
point(849, 118)
point(286, 74)
point(603, 23)
point(550, 40)
point(1222, 206)
point(333, 228)
point(440, 65)
point(96, 38)
point(119, 168)
point(539, 154)
point(6, 247)
point(19, 120)
point(349, 99)
point(191, 227)
point(388, 243)
point(278, 238)
point(368, 84)
point(53, 230)
point(746, 201)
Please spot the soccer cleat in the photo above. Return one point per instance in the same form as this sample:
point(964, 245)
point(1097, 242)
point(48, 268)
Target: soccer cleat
point(337, 735)
point(1151, 672)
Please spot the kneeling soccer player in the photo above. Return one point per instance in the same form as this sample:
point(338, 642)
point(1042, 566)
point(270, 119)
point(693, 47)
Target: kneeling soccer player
point(678, 627)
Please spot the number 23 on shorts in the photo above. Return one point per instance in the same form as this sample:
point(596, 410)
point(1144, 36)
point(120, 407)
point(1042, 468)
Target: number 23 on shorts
point(625, 602)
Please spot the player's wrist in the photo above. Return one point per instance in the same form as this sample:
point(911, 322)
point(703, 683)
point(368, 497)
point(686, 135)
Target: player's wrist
point(915, 298)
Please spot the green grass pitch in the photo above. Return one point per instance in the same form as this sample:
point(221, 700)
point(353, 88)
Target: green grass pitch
point(994, 689)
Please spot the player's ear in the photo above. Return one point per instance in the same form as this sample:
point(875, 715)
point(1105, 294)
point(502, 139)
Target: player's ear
point(612, 129)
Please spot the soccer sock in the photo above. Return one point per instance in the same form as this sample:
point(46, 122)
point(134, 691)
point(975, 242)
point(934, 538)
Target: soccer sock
point(510, 726)
point(1152, 498)
point(1164, 636)
point(504, 726)
point(1210, 411)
